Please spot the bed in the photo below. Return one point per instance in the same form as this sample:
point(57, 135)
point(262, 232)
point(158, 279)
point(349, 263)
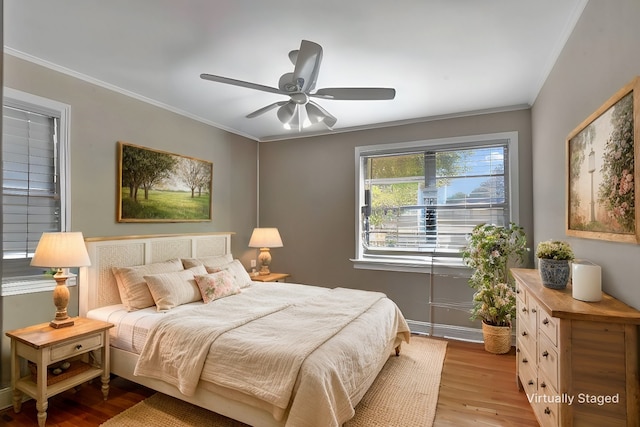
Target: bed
point(266, 354)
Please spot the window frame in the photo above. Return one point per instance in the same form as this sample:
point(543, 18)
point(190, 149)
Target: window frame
point(37, 104)
point(428, 262)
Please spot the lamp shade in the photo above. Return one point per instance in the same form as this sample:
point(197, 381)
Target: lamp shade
point(265, 238)
point(61, 250)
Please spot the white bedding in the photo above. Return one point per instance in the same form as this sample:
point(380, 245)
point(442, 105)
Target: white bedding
point(331, 380)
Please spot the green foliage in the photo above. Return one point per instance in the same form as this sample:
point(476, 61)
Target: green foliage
point(554, 249)
point(491, 250)
point(616, 191)
point(163, 205)
point(494, 304)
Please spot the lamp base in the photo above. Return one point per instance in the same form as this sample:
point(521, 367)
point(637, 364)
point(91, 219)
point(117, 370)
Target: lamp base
point(57, 324)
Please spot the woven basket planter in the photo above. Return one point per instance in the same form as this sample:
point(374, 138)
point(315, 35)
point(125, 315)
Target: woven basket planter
point(497, 339)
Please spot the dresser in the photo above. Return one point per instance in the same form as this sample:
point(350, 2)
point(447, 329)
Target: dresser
point(577, 361)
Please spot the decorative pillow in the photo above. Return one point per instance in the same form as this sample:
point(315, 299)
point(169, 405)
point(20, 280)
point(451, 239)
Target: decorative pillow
point(216, 285)
point(173, 289)
point(235, 267)
point(132, 287)
point(207, 261)
point(198, 270)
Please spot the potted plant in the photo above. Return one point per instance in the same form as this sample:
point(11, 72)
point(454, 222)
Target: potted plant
point(553, 262)
point(491, 250)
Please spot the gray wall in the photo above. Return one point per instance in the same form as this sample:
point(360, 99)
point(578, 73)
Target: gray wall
point(307, 190)
point(100, 118)
point(601, 56)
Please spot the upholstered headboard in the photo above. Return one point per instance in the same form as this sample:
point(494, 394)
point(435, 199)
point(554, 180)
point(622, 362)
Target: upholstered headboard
point(97, 285)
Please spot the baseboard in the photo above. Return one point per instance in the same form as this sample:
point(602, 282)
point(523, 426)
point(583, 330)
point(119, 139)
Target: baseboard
point(460, 333)
point(445, 331)
point(6, 398)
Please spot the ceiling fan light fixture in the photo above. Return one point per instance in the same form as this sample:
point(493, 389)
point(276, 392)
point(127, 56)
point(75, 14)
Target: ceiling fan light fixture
point(314, 114)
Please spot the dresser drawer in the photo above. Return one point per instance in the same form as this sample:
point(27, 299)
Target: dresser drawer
point(75, 347)
point(526, 340)
point(525, 360)
point(548, 326)
point(546, 403)
point(548, 362)
point(529, 380)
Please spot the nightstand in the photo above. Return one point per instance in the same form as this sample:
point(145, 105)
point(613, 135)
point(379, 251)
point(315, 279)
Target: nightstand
point(43, 345)
point(272, 277)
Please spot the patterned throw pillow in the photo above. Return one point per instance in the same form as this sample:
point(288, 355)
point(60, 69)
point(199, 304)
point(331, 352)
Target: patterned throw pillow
point(240, 275)
point(216, 285)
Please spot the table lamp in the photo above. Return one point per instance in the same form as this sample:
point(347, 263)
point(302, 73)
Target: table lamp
point(61, 250)
point(265, 238)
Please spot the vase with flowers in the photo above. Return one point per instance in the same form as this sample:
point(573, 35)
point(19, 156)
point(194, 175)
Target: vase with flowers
point(553, 263)
point(490, 251)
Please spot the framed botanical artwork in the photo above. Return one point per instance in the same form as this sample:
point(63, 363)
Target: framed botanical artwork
point(156, 186)
point(601, 173)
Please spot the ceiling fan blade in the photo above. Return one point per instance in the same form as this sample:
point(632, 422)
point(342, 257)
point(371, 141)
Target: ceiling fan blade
point(318, 114)
point(265, 109)
point(241, 83)
point(355, 93)
point(308, 61)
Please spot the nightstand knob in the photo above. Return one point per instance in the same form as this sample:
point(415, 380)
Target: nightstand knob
point(79, 346)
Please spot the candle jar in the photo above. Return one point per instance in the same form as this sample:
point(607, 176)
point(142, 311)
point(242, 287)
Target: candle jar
point(586, 281)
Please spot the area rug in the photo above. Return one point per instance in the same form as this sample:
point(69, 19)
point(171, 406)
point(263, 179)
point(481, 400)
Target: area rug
point(405, 394)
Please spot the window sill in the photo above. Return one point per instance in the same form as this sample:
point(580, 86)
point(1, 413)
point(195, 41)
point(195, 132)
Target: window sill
point(407, 265)
point(23, 286)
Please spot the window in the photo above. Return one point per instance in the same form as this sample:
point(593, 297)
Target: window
point(34, 181)
point(418, 201)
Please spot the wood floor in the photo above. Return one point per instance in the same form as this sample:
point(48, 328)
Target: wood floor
point(477, 388)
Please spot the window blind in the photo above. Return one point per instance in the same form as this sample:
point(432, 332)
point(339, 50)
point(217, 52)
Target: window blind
point(417, 202)
point(30, 188)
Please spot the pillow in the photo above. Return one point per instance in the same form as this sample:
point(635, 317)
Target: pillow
point(235, 267)
point(133, 289)
point(207, 261)
point(217, 285)
point(173, 289)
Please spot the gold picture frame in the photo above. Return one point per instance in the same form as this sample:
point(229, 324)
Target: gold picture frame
point(157, 186)
point(601, 173)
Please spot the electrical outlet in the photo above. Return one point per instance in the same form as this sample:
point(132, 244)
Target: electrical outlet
point(253, 263)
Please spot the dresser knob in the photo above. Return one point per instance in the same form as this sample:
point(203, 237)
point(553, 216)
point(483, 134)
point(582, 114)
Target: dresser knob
point(545, 321)
point(524, 333)
point(543, 385)
point(525, 360)
point(79, 346)
point(533, 310)
point(545, 353)
point(530, 382)
point(524, 309)
point(547, 410)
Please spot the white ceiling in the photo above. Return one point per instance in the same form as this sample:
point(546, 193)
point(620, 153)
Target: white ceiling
point(443, 57)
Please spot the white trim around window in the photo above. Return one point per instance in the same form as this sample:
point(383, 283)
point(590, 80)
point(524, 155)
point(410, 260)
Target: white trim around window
point(428, 263)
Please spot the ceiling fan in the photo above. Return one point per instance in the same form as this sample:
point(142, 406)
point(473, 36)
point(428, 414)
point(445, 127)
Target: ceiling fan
point(300, 111)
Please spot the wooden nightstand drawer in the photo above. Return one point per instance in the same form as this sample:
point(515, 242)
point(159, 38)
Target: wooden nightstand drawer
point(75, 347)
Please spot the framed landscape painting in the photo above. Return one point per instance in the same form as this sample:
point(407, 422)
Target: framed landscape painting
point(156, 186)
point(601, 173)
